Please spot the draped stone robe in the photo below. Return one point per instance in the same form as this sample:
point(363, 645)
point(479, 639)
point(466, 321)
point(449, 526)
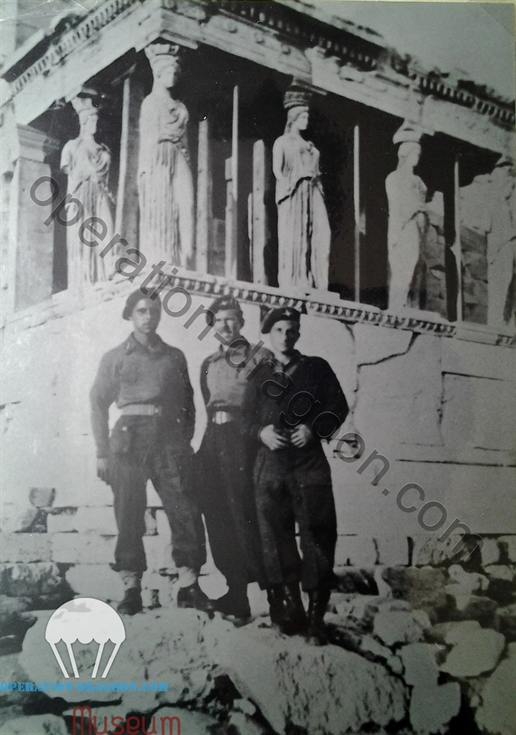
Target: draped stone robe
point(165, 182)
point(303, 227)
point(408, 225)
point(87, 165)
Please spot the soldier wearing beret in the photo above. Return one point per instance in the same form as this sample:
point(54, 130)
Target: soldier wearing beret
point(226, 456)
point(301, 403)
point(148, 381)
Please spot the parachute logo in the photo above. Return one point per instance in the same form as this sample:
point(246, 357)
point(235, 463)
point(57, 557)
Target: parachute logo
point(85, 619)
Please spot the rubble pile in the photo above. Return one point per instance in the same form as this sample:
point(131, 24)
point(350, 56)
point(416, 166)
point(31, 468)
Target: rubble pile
point(414, 650)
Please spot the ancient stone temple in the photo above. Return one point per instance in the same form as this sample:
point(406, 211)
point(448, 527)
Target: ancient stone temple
point(271, 152)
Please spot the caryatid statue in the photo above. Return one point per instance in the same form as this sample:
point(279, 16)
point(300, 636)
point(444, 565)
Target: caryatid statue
point(86, 163)
point(408, 219)
point(165, 182)
point(501, 243)
point(303, 228)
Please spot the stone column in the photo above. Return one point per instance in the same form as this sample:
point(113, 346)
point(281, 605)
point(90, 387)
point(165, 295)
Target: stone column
point(260, 225)
point(475, 223)
point(126, 223)
point(501, 246)
point(31, 241)
point(204, 221)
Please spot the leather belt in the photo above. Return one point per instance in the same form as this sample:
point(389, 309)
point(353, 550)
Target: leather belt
point(141, 409)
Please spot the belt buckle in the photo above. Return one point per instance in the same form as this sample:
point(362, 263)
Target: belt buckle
point(221, 417)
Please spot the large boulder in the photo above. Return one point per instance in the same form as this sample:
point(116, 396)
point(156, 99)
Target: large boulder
point(422, 587)
point(508, 546)
point(160, 646)
point(400, 626)
point(323, 691)
point(462, 582)
point(497, 713)
point(501, 583)
point(356, 611)
point(506, 621)
point(432, 708)
point(473, 607)
point(475, 650)
point(419, 666)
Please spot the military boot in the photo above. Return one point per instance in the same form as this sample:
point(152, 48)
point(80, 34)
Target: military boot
point(235, 602)
point(286, 609)
point(132, 600)
point(318, 602)
point(276, 603)
point(193, 597)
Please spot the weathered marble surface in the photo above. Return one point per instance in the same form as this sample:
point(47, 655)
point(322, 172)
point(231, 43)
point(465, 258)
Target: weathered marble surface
point(86, 162)
point(408, 222)
point(165, 183)
point(303, 228)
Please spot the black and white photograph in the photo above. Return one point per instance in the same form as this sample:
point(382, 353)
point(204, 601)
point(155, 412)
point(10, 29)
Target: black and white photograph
point(258, 339)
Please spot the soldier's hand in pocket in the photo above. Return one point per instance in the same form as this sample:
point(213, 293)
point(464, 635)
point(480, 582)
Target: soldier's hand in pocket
point(272, 439)
point(102, 469)
point(301, 435)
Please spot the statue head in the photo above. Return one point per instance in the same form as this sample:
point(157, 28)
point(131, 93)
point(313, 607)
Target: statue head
point(164, 61)
point(503, 176)
point(408, 137)
point(296, 101)
point(297, 118)
point(88, 113)
point(409, 154)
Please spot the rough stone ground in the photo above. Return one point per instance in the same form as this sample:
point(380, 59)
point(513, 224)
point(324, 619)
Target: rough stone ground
point(413, 651)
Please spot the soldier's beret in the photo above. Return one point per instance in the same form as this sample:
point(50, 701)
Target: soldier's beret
point(223, 303)
point(278, 315)
point(133, 299)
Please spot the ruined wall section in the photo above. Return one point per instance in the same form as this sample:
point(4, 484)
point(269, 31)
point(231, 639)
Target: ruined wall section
point(440, 410)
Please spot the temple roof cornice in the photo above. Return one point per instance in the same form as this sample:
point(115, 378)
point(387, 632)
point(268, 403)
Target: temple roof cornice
point(283, 35)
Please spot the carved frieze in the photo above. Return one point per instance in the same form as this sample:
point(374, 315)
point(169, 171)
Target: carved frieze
point(283, 39)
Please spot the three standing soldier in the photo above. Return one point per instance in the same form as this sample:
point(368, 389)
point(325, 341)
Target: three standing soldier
point(149, 382)
point(226, 457)
point(301, 402)
point(270, 413)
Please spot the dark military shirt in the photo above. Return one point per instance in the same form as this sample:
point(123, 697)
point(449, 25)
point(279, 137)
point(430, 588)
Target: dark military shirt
point(134, 373)
point(304, 391)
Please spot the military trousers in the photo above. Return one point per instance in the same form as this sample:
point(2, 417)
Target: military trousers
point(224, 467)
point(294, 486)
point(139, 451)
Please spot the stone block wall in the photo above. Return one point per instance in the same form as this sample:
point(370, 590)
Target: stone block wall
point(436, 411)
point(423, 630)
